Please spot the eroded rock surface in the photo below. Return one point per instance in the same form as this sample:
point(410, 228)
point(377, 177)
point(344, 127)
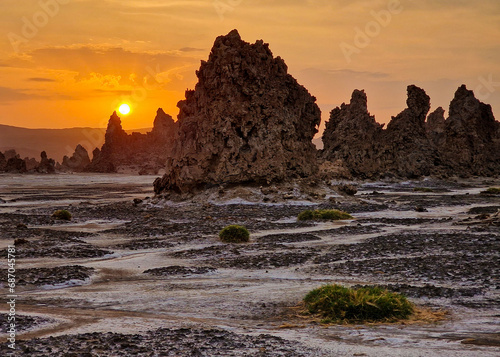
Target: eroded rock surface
point(142, 153)
point(78, 161)
point(465, 144)
point(47, 166)
point(353, 136)
point(247, 120)
point(471, 143)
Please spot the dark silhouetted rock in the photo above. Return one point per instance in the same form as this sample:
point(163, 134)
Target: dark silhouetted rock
point(15, 165)
point(435, 126)
point(31, 163)
point(407, 149)
point(47, 166)
point(3, 162)
point(467, 143)
point(143, 153)
point(247, 120)
point(10, 154)
point(471, 144)
point(78, 161)
point(353, 136)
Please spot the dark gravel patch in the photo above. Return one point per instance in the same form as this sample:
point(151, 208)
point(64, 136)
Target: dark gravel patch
point(459, 268)
point(352, 230)
point(483, 210)
point(265, 261)
point(229, 250)
point(148, 243)
point(57, 247)
point(402, 221)
point(412, 242)
point(23, 322)
point(162, 342)
point(51, 276)
point(288, 238)
point(178, 270)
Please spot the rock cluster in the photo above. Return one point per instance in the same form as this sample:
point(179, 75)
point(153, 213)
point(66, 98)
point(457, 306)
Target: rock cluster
point(467, 143)
point(47, 166)
point(145, 153)
point(11, 162)
point(247, 120)
point(78, 161)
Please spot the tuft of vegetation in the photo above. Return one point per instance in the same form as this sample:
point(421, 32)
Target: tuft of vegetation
point(234, 234)
point(323, 214)
point(492, 191)
point(339, 304)
point(423, 189)
point(62, 214)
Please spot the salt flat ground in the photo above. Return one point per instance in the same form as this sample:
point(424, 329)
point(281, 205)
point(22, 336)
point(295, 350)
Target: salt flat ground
point(152, 279)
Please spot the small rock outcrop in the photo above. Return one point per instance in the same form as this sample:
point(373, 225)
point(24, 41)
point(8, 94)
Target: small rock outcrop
point(466, 143)
point(15, 165)
point(78, 162)
point(143, 153)
point(247, 120)
point(3, 161)
point(47, 166)
point(11, 162)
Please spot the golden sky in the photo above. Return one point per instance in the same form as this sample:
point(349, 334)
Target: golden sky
point(69, 63)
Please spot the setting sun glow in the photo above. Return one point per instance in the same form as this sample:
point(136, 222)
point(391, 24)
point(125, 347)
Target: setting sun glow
point(124, 109)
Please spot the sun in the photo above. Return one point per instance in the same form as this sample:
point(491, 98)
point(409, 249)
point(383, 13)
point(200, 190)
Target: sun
point(124, 109)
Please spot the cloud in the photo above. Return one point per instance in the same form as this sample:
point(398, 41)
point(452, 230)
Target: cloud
point(36, 79)
point(8, 95)
point(89, 67)
point(191, 49)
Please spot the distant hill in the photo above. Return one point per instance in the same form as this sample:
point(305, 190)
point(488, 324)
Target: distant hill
point(56, 142)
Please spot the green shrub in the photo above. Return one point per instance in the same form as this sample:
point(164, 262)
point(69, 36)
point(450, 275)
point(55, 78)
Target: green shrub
point(492, 191)
point(62, 214)
point(323, 214)
point(335, 303)
point(234, 234)
point(423, 189)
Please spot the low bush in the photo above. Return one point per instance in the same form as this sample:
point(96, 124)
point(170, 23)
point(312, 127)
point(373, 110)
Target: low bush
point(323, 214)
point(335, 303)
point(62, 214)
point(234, 234)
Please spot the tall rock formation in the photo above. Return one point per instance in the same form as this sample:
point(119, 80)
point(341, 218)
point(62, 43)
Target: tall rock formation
point(408, 152)
point(353, 136)
point(47, 166)
point(78, 162)
point(465, 144)
point(143, 153)
point(247, 120)
point(471, 144)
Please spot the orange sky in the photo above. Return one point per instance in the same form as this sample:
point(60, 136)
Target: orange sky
point(69, 63)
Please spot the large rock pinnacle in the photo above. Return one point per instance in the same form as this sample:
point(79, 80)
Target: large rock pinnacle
point(246, 121)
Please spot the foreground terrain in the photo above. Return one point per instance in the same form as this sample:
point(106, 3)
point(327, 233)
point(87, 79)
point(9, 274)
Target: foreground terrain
point(149, 277)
